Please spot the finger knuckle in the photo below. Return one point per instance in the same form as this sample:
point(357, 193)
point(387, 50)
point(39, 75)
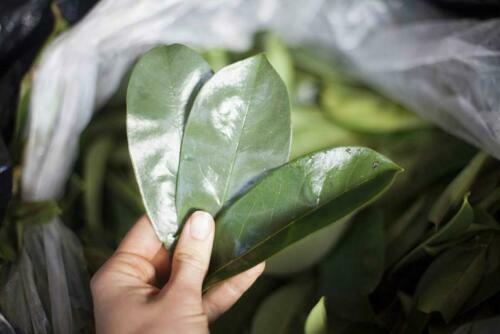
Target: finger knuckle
point(233, 288)
point(213, 309)
point(190, 259)
point(135, 265)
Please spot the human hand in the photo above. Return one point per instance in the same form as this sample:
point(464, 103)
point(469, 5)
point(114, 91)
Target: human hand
point(128, 293)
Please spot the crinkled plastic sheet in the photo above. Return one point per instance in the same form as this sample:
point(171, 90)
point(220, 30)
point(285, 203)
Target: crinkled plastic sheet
point(47, 291)
point(444, 69)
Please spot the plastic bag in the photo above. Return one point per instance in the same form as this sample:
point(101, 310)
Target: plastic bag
point(445, 69)
point(442, 68)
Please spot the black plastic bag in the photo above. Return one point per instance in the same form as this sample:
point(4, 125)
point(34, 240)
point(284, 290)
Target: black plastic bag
point(26, 24)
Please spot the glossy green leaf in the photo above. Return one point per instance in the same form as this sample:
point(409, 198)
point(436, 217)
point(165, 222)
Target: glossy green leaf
point(454, 229)
point(293, 201)
point(450, 280)
point(457, 189)
point(238, 128)
point(278, 314)
point(160, 93)
point(317, 322)
point(362, 110)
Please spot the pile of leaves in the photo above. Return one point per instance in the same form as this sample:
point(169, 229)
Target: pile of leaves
point(422, 258)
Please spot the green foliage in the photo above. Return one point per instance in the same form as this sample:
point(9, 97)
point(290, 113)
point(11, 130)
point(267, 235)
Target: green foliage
point(422, 258)
point(159, 98)
point(238, 128)
point(236, 135)
point(293, 201)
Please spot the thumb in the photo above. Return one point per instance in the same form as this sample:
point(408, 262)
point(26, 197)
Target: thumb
point(192, 254)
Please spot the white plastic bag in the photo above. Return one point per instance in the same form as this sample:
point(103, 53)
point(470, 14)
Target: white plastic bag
point(444, 69)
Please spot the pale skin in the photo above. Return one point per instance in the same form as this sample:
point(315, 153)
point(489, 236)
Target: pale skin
point(138, 291)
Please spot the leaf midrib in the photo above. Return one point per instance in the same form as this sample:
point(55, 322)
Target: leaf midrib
point(287, 225)
point(235, 154)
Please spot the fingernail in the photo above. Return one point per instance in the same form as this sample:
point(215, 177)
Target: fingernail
point(200, 225)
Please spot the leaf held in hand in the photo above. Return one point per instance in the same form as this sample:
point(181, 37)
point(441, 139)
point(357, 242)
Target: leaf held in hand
point(293, 201)
point(160, 93)
point(238, 128)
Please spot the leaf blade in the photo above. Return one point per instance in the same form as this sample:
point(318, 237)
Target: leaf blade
point(239, 127)
point(319, 188)
point(161, 89)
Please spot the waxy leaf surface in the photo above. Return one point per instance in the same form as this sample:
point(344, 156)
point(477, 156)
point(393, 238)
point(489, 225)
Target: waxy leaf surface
point(161, 90)
point(293, 201)
point(238, 128)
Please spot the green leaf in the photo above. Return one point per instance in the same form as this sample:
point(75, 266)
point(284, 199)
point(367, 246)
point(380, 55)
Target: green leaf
point(355, 267)
point(312, 131)
point(457, 189)
point(317, 322)
point(485, 326)
point(279, 313)
point(450, 280)
point(216, 58)
point(160, 93)
point(279, 57)
point(361, 110)
point(454, 229)
point(238, 128)
point(293, 201)
point(94, 172)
